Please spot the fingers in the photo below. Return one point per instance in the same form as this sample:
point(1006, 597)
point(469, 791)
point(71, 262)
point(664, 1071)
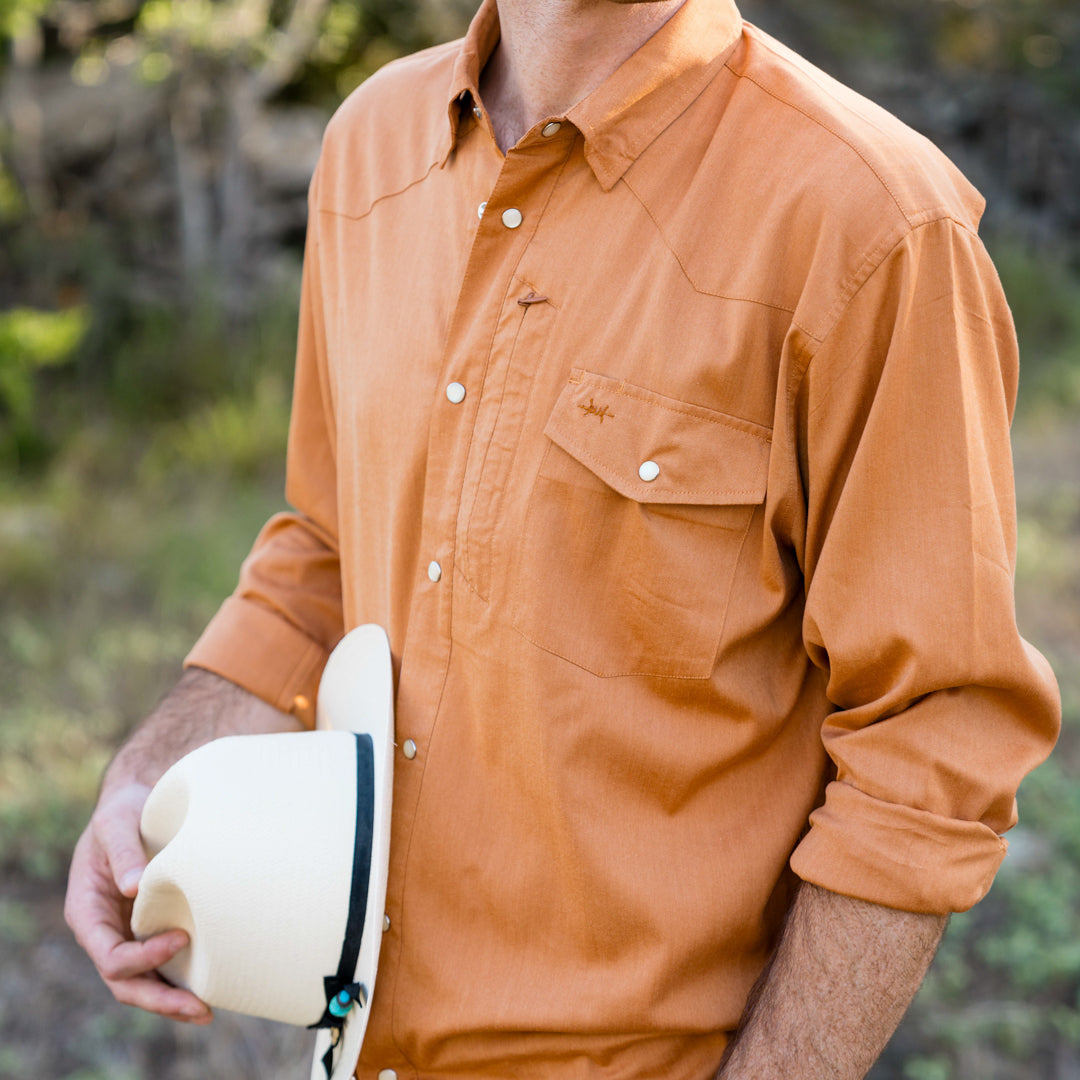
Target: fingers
point(151, 993)
point(128, 969)
point(99, 915)
point(120, 959)
point(116, 824)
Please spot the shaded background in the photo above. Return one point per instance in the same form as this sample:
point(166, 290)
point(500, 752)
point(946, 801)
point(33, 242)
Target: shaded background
point(154, 158)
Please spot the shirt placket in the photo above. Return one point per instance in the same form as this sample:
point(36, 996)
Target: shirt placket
point(467, 398)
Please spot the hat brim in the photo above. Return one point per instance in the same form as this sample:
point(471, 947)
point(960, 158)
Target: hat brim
point(357, 694)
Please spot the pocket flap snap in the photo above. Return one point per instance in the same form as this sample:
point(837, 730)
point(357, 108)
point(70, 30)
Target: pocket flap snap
point(656, 449)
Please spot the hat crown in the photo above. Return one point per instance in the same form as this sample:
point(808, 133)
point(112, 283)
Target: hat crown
point(245, 832)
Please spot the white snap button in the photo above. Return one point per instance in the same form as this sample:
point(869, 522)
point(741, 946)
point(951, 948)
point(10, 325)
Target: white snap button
point(480, 209)
point(455, 393)
point(434, 571)
point(408, 748)
point(385, 923)
point(649, 471)
point(477, 112)
point(387, 1074)
point(549, 129)
point(512, 218)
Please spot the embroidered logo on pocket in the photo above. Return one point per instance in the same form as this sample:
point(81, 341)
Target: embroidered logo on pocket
point(597, 410)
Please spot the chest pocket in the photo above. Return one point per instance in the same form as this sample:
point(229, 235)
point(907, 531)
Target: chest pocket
point(635, 525)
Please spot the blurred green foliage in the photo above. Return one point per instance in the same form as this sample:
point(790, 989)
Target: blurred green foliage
point(31, 340)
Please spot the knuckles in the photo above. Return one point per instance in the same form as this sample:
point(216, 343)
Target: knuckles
point(112, 972)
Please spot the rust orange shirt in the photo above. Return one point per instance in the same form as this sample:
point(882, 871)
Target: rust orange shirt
point(671, 448)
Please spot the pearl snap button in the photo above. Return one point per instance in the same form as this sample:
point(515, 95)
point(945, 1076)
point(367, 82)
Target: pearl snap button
point(387, 1074)
point(649, 471)
point(512, 218)
point(480, 209)
point(549, 129)
point(434, 571)
point(408, 748)
point(455, 393)
point(477, 112)
point(385, 923)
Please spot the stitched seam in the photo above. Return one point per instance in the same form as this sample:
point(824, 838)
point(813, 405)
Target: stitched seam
point(396, 1036)
point(381, 198)
point(668, 491)
point(797, 379)
point(496, 547)
point(622, 160)
point(625, 390)
point(582, 454)
point(513, 276)
point(731, 589)
point(465, 571)
point(519, 604)
point(532, 285)
point(820, 123)
point(609, 675)
point(622, 391)
point(471, 575)
point(874, 267)
point(686, 273)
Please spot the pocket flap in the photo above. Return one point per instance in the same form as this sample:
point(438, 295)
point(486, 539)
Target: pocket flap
point(700, 456)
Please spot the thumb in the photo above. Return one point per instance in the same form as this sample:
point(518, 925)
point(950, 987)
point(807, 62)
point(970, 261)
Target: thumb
point(116, 824)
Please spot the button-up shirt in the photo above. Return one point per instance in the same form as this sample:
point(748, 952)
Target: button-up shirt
point(671, 450)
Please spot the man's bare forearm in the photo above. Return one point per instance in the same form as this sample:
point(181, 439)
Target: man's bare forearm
point(843, 975)
point(200, 707)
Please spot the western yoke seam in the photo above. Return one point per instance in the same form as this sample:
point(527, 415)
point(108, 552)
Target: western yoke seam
point(378, 199)
point(686, 274)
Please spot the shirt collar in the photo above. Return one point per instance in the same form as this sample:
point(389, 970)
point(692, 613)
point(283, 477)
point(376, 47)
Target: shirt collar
point(627, 111)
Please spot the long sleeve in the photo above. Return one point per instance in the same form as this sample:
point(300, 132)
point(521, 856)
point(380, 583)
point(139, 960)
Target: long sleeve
point(273, 635)
point(941, 707)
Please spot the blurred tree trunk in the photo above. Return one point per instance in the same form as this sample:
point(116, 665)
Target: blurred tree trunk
point(211, 113)
point(24, 112)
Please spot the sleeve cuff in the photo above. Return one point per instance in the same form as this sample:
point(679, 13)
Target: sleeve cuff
point(251, 646)
point(897, 856)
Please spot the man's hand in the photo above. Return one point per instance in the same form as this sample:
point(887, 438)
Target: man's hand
point(843, 975)
point(104, 878)
point(108, 860)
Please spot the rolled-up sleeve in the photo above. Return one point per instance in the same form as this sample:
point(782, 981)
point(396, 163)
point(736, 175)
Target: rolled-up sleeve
point(941, 708)
point(273, 635)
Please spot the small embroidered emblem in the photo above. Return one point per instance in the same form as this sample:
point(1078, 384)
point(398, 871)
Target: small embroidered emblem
point(597, 410)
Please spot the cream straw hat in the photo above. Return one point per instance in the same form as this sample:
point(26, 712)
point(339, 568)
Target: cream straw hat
point(272, 851)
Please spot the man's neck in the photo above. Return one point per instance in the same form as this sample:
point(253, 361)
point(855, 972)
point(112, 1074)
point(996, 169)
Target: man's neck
point(552, 53)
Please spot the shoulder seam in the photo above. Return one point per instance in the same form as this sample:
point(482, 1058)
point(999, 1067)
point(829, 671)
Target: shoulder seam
point(832, 131)
point(763, 41)
point(870, 266)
